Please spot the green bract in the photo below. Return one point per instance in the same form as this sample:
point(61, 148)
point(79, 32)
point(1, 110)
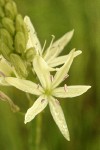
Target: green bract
point(48, 91)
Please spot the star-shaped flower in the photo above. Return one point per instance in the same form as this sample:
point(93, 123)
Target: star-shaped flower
point(51, 54)
point(49, 91)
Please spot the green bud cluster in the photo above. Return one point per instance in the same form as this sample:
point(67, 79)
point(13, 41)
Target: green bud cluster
point(14, 37)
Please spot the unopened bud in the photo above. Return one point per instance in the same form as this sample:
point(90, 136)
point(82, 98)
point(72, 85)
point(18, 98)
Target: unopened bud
point(30, 53)
point(8, 24)
point(20, 44)
point(6, 38)
point(5, 51)
point(11, 9)
point(21, 26)
point(19, 65)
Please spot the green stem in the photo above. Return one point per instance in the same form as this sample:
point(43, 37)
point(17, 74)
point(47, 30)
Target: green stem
point(29, 99)
point(35, 145)
point(38, 131)
point(31, 137)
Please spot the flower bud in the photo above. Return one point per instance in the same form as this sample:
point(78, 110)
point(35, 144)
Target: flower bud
point(20, 44)
point(11, 9)
point(6, 38)
point(1, 12)
point(30, 53)
point(19, 65)
point(8, 24)
point(21, 26)
point(5, 51)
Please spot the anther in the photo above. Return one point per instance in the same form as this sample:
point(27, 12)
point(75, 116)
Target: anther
point(66, 76)
point(2, 74)
point(38, 86)
point(65, 88)
point(51, 78)
point(58, 46)
point(42, 100)
point(57, 101)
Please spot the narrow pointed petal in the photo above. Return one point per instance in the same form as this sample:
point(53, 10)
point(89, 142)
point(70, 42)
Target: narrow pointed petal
point(62, 59)
point(3, 82)
point(24, 85)
point(61, 73)
point(58, 116)
point(71, 91)
point(33, 39)
point(42, 71)
point(58, 46)
point(36, 108)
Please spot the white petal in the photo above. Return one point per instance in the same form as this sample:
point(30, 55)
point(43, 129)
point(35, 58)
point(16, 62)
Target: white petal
point(62, 59)
point(3, 82)
point(58, 46)
point(42, 71)
point(24, 85)
point(61, 73)
point(58, 116)
point(33, 39)
point(36, 108)
point(71, 91)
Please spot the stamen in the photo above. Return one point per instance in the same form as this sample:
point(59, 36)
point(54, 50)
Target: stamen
point(2, 74)
point(65, 88)
point(57, 101)
point(35, 32)
point(51, 78)
point(53, 37)
point(58, 46)
point(66, 76)
point(42, 100)
point(38, 86)
point(44, 46)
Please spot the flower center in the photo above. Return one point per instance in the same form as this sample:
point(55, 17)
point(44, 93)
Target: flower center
point(48, 92)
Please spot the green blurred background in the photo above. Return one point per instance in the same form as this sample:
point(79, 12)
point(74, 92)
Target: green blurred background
point(82, 113)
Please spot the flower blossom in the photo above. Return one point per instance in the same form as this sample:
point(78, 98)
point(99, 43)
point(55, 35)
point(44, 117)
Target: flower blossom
point(51, 54)
point(48, 91)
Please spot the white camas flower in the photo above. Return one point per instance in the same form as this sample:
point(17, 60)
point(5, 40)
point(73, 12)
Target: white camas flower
point(48, 91)
point(51, 54)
